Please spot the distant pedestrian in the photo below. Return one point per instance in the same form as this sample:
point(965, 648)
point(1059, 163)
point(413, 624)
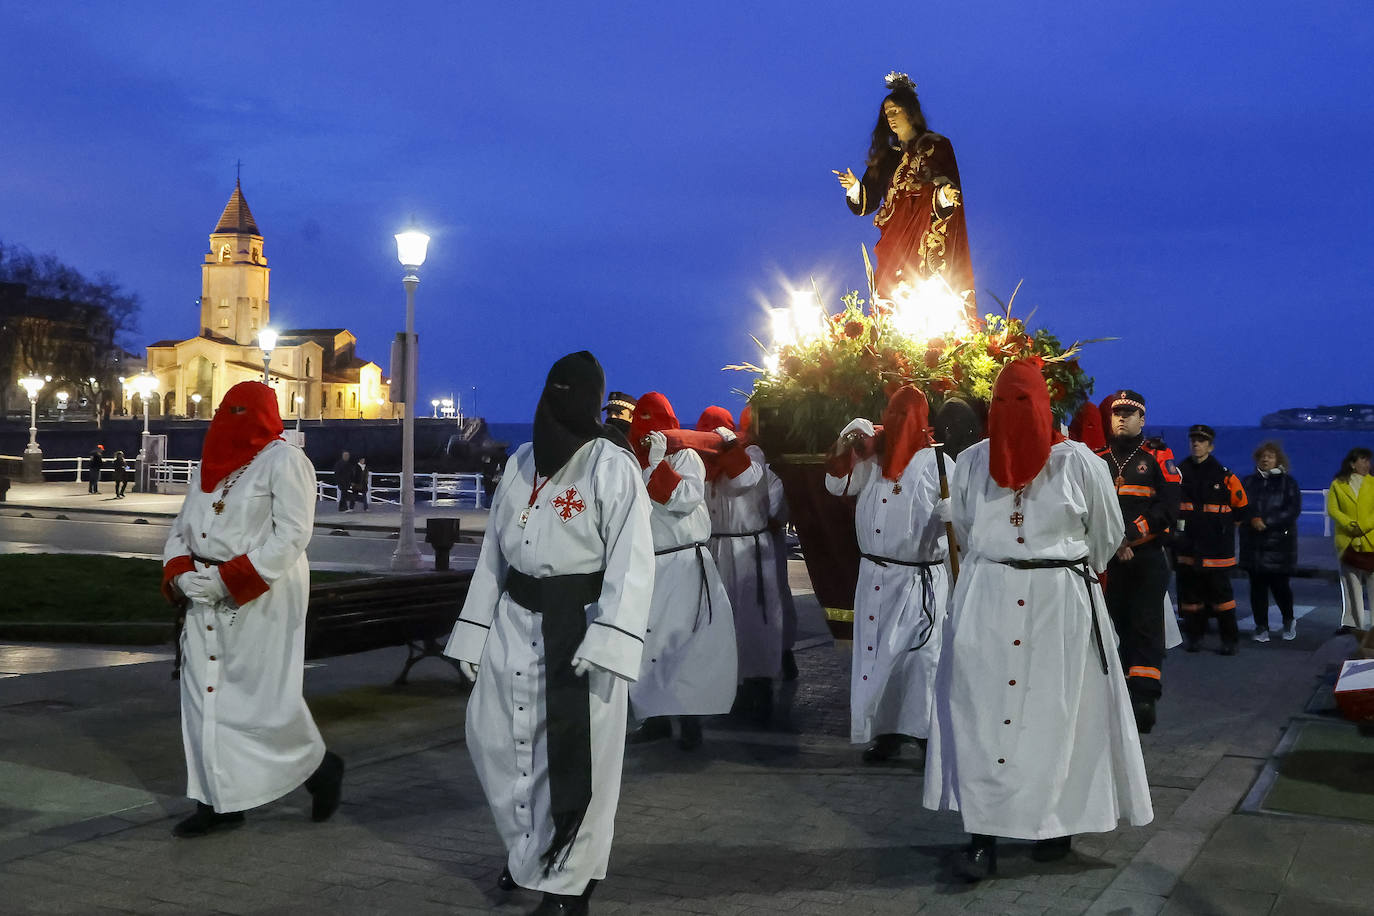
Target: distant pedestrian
point(1213, 503)
point(121, 474)
point(1351, 507)
point(1269, 543)
point(343, 481)
point(97, 459)
point(361, 483)
point(236, 557)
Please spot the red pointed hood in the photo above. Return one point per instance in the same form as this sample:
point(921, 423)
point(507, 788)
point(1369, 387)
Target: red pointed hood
point(906, 429)
point(245, 422)
point(1087, 427)
point(714, 416)
point(652, 413)
point(1020, 425)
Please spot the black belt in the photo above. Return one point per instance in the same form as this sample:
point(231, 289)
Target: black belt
point(700, 547)
point(927, 590)
point(758, 560)
point(561, 603)
point(207, 562)
point(1080, 568)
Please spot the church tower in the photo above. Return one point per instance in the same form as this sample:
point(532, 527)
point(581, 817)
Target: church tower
point(233, 287)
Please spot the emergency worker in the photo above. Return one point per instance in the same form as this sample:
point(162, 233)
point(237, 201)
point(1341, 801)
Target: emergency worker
point(1213, 503)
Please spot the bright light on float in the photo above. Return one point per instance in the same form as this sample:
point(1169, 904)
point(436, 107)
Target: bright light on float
point(930, 309)
point(771, 361)
point(808, 318)
point(784, 332)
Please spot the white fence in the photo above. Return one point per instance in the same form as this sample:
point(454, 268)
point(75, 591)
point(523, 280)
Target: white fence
point(385, 488)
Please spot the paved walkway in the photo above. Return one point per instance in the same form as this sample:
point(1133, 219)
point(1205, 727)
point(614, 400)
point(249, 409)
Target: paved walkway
point(783, 821)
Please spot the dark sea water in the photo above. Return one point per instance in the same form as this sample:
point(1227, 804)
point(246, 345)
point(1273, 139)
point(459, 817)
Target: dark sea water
point(1315, 454)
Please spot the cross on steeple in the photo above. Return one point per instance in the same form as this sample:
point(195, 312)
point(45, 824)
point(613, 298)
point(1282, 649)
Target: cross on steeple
point(238, 171)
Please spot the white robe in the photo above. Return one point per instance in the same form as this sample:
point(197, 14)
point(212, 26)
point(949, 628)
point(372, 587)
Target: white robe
point(248, 734)
point(506, 726)
point(891, 682)
point(740, 506)
point(1030, 739)
point(689, 666)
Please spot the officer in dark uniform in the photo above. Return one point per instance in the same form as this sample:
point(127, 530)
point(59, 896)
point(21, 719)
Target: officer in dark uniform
point(1147, 486)
point(1214, 502)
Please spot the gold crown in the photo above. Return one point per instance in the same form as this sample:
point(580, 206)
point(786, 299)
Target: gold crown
point(896, 80)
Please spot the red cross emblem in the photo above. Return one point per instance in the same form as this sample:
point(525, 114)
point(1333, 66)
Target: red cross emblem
point(569, 504)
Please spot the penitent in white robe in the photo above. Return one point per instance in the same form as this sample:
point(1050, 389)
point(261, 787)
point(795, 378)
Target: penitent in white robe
point(248, 734)
point(1031, 740)
point(743, 547)
point(592, 515)
point(689, 666)
point(897, 626)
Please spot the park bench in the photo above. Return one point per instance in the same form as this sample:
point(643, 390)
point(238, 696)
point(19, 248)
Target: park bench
point(358, 615)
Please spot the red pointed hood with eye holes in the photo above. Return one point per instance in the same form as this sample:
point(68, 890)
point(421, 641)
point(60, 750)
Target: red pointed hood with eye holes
point(906, 429)
point(652, 413)
point(1088, 427)
point(245, 423)
point(1020, 425)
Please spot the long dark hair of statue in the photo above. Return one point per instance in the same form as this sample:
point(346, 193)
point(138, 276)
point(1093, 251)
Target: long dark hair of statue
point(884, 143)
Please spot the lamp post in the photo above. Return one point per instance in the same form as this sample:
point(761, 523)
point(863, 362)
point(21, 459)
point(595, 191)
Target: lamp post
point(195, 399)
point(144, 384)
point(33, 455)
point(435, 404)
point(300, 406)
point(62, 398)
point(411, 246)
point(267, 340)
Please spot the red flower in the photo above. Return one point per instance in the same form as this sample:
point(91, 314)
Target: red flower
point(957, 372)
point(994, 350)
point(932, 358)
point(792, 365)
point(853, 329)
point(942, 385)
point(936, 343)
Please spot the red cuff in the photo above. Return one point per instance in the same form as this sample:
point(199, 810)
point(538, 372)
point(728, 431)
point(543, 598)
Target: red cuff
point(662, 482)
point(734, 461)
point(173, 568)
point(242, 580)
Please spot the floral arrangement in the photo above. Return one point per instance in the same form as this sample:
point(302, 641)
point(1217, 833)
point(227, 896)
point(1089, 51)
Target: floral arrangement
point(832, 368)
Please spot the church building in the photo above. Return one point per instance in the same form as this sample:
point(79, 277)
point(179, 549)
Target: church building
point(316, 372)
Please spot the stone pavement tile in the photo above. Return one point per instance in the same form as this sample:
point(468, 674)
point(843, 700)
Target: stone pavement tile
point(1160, 863)
point(1126, 903)
point(1191, 898)
point(1289, 904)
point(1333, 863)
point(1210, 870)
point(1267, 841)
point(1218, 794)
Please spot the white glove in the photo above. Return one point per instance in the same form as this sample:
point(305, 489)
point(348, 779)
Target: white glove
point(658, 447)
point(942, 510)
point(858, 426)
point(725, 434)
point(206, 587)
point(181, 582)
point(582, 666)
point(469, 670)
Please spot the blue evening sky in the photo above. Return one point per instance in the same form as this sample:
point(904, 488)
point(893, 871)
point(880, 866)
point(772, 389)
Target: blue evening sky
point(635, 178)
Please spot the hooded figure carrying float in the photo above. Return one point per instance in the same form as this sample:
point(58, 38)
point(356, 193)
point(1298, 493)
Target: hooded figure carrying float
point(235, 559)
point(552, 632)
point(899, 604)
point(1033, 736)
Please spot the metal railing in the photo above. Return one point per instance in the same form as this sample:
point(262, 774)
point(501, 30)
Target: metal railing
point(384, 487)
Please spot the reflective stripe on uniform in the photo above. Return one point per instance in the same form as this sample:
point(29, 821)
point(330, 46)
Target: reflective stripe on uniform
point(1214, 564)
point(1143, 671)
point(1130, 489)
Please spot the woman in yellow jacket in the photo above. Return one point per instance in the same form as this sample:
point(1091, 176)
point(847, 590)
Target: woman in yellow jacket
point(1351, 507)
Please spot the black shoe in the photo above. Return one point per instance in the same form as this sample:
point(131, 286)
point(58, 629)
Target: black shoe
point(978, 860)
point(1051, 850)
point(1227, 649)
point(1144, 710)
point(883, 748)
point(654, 728)
point(561, 905)
point(789, 665)
point(326, 787)
point(505, 882)
point(690, 738)
point(206, 821)
point(760, 705)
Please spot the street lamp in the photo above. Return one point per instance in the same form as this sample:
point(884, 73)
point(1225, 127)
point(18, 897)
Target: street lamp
point(267, 340)
point(33, 455)
point(300, 406)
point(195, 399)
point(62, 398)
point(435, 404)
point(411, 247)
point(144, 385)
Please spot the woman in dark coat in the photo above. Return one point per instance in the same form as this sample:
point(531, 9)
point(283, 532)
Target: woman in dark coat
point(1269, 543)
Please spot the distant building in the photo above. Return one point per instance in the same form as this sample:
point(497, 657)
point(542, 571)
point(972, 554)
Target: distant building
point(318, 366)
point(70, 342)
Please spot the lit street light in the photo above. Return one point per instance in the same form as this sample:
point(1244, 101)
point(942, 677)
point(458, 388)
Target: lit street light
point(33, 455)
point(195, 399)
point(435, 404)
point(267, 340)
point(300, 406)
point(411, 246)
point(144, 384)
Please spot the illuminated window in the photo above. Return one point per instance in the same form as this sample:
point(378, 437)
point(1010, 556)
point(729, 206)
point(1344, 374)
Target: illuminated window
point(224, 253)
point(353, 399)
